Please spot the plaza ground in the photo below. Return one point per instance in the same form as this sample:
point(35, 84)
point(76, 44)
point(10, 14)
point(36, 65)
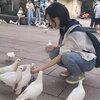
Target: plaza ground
point(28, 44)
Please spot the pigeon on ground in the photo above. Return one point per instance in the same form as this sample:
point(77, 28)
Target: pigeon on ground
point(11, 22)
point(10, 56)
point(78, 93)
point(3, 21)
point(33, 90)
point(26, 77)
point(49, 43)
point(10, 68)
point(12, 78)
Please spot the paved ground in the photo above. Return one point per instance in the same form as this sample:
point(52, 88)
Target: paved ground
point(28, 44)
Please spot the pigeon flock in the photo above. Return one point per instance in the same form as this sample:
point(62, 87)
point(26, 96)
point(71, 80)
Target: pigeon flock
point(40, 25)
point(19, 76)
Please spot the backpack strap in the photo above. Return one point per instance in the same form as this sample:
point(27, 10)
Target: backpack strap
point(94, 40)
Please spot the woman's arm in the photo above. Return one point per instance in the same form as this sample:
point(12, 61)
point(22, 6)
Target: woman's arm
point(49, 64)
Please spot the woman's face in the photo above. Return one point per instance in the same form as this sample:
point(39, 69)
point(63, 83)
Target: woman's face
point(54, 22)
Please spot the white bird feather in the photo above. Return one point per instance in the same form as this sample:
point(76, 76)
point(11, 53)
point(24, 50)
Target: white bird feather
point(49, 43)
point(33, 90)
point(26, 77)
point(10, 55)
point(12, 78)
point(78, 93)
point(3, 21)
point(10, 68)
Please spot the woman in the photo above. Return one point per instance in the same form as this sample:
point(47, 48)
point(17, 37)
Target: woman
point(20, 14)
point(30, 10)
point(38, 13)
point(75, 51)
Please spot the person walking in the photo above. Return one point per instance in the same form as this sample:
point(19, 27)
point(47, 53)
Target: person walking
point(30, 10)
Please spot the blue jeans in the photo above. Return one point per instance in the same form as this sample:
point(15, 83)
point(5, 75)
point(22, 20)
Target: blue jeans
point(73, 62)
point(30, 16)
point(38, 15)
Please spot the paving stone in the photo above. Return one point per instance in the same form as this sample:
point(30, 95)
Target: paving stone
point(50, 70)
point(53, 86)
point(29, 61)
point(28, 55)
point(6, 92)
point(57, 72)
point(67, 91)
point(92, 93)
point(28, 43)
point(92, 80)
point(45, 96)
point(96, 71)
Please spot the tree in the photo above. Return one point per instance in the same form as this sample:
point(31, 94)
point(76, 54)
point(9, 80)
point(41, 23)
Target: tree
point(87, 6)
point(23, 3)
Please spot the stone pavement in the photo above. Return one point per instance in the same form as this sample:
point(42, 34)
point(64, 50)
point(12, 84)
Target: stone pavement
point(28, 44)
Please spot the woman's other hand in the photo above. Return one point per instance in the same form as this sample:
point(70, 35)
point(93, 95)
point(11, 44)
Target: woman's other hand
point(49, 48)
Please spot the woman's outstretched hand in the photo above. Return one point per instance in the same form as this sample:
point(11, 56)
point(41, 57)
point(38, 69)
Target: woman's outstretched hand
point(49, 48)
point(34, 70)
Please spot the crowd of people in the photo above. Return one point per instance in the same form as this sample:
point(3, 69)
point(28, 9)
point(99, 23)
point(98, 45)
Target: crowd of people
point(36, 8)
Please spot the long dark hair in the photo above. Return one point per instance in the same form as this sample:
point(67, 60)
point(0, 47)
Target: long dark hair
point(58, 10)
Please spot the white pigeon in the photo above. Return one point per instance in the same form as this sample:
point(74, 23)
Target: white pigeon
point(12, 78)
point(10, 68)
point(3, 21)
point(37, 24)
point(78, 93)
point(16, 23)
point(26, 77)
point(46, 29)
point(11, 22)
point(33, 90)
point(49, 43)
point(10, 55)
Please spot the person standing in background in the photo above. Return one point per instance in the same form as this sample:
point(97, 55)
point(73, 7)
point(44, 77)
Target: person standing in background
point(38, 13)
point(48, 3)
point(30, 10)
point(97, 16)
point(43, 6)
point(92, 24)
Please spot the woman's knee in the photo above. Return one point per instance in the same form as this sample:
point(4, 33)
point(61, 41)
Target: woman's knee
point(69, 57)
point(54, 53)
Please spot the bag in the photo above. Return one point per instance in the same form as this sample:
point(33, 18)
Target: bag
point(94, 40)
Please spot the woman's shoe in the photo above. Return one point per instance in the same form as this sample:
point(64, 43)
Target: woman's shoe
point(65, 73)
point(75, 79)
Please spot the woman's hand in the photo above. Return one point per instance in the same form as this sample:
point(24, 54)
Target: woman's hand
point(49, 48)
point(34, 70)
point(48, 65)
